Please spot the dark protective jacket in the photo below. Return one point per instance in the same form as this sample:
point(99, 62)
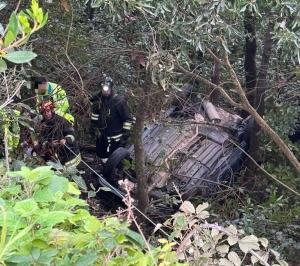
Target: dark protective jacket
point(59, 128)
point(111, 122)
point(111, 116)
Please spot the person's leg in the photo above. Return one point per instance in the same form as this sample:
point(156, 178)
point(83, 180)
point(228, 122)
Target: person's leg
point(101, 147)
point(113, 146)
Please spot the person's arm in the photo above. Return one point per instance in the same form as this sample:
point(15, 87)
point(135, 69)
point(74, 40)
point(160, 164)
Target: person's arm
point(69, 135)
point(60, 100)
point(127, 119)
point(94, 122)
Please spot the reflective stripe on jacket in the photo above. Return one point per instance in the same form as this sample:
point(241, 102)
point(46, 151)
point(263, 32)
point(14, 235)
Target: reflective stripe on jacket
point(58, 96)
point(74, 162)
point(110, 115)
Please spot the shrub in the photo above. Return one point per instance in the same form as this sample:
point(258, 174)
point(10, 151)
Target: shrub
point(43, 222)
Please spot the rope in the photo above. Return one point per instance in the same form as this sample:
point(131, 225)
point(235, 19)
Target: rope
point(118, 193)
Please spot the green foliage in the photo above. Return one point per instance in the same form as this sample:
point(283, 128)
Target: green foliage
point(277, 218)
point(43, 222)
point(18, 31)
point(166, 34)
point(282, 110)
point(20, 57)
point(205, 22)
point(202, 243)
point(3, 65)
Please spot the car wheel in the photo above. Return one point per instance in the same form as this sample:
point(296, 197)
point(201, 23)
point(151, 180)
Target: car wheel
point(114, 162)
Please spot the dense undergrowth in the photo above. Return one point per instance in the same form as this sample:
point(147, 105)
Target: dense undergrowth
point(44, 222)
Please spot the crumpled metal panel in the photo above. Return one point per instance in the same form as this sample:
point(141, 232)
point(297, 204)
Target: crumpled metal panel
point(161, 140)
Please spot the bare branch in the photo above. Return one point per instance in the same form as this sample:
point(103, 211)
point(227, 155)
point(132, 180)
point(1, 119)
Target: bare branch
point(259, 120)
point(216, 58)
point(207, 82)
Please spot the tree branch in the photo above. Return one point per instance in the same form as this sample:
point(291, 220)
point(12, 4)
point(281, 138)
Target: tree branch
point(207, 82)
point(259, 120)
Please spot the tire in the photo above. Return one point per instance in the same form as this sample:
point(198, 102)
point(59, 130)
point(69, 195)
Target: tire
point(114, 161)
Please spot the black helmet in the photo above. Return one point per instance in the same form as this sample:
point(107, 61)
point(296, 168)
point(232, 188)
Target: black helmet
point(108, 82)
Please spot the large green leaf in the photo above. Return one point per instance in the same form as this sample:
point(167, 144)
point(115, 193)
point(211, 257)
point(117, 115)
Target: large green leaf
point(13, 29)
point(13, 24)
point(109, 243)
point(92, 224)
point(34, 7)
point(13, 219)
point(72, 189)
point(24, 22)
point(87, 259)
point(52, 218)
point(20, 259)
point(11, 190)
point(46, 256)
point(44, 20)
point(35, 253)
point(3, 65)
point(20, 57)
point(26, 207)
point(42, 174)
point(58, 184)
point(44, 195)
point(135, 238)
point(79, 181)
point(9, 37)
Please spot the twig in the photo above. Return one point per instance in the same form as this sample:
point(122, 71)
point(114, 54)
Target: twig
point(9, 99)
point(259, 120)
point(185, 240)
point(128, 201)
point(6, 150)
point(214, 56)
point(263, 170)
point(259, 258)
point(67, 48)
point(205, 81)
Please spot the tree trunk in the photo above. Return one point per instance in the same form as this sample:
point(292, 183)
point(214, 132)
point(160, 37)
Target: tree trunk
point(262, 83)
point(261, 87)
point(250, 53)
point(142, 189)
point(250, 76)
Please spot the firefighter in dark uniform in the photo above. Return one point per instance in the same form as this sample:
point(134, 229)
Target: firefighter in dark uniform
point(111, 120)
point(55, 137)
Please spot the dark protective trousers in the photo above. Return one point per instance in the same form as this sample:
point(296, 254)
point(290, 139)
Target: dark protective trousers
point(105, 147)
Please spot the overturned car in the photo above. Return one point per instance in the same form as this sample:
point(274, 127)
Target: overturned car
point(192, 150)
